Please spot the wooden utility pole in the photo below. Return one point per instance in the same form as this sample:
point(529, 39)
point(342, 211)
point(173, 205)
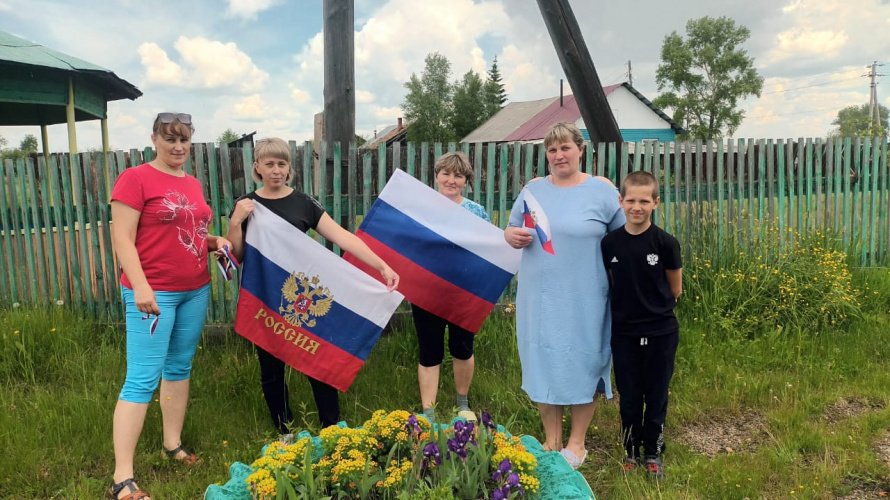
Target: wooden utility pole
point(579, 70)
point(339, 74)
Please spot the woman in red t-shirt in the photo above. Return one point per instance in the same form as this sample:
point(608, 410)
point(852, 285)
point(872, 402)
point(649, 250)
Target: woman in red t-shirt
point(159, 230)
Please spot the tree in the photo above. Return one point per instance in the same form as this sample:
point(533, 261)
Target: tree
point(495, 95)
point(228, 136)
point(855, 121)
point(428, 104)
point(706, 76)
point(470, 104)
point(3, 142)
point(28, 144)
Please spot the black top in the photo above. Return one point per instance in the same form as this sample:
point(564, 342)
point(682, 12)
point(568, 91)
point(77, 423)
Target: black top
point(642, 302)
point(299, 209)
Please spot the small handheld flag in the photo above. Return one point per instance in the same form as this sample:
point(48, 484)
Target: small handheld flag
point(536, 219)
point(227, 263)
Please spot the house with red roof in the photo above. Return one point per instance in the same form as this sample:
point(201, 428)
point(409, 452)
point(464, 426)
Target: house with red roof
point(638, 119)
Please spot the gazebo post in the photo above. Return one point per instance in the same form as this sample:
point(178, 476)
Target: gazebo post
point(104, 124)
point(72, 132)
point(44, 138)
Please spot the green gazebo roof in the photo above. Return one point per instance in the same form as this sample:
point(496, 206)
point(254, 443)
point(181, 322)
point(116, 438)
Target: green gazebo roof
point(34, 85)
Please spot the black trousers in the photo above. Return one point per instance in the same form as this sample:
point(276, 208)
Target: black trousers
point(273, 378)
point(431, 338)
point(643, 371)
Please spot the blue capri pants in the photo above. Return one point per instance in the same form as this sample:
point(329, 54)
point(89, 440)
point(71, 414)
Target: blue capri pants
point(169, 351)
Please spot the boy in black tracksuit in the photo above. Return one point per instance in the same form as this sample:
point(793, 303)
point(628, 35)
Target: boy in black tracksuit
point(643, 262)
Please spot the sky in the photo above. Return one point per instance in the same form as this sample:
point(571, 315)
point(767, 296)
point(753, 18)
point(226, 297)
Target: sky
point(257, 65)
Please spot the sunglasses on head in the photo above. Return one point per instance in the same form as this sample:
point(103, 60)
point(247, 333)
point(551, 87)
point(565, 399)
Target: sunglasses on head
point(167, 118)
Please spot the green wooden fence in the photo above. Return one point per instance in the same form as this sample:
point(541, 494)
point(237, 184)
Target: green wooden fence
point(54, 214)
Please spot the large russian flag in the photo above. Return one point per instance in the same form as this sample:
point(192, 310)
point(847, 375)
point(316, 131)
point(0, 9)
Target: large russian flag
point(450, 262)
point(307, 306)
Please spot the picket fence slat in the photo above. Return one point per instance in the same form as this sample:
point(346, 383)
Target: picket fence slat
point(10, 234)
point(35, 228)
point(96, 277)
point(103, 199)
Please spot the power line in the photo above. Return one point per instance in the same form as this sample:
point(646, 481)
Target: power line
point(811, 86)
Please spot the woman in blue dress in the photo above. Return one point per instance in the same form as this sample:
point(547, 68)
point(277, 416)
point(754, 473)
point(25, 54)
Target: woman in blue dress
point(562, 311)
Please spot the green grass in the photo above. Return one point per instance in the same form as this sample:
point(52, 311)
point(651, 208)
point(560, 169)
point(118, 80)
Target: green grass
point(58, 389)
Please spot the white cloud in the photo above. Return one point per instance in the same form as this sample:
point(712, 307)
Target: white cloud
point(216, 64)
point(4, 6)
point(248, 9)
point(364, 97)
point(300, 96)
point(799, 41)
point(159, 69)
point(251, 107)
point(206, 64)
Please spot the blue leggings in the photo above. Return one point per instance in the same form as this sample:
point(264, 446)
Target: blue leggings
point(169, 351)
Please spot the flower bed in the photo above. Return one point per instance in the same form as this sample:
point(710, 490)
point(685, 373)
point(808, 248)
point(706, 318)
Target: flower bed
point(401, 456)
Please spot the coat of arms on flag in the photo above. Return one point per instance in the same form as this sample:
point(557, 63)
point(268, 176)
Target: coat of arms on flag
point(305, 305)
point(305, 301)
point(535, 218)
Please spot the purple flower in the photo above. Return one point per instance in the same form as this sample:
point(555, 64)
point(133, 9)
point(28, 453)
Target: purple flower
point(497, 494)
point(513, 480)
point(412, 424)
point(505, 467)
point(454, 445)
point(431, 455)
point(486, 420)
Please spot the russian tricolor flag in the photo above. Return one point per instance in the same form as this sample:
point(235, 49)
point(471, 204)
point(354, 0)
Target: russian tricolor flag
point(450, 262)
point(307, 306)
point(536, 219)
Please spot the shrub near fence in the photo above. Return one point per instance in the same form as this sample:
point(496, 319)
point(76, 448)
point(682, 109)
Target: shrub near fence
point(55, 216)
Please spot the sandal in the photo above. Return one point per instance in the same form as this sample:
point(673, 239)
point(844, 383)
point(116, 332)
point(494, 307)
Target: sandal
point(134, 494)
point(573, 459)
point(189, 458)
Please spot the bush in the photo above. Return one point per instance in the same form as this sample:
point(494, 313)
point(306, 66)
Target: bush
point(743, 287)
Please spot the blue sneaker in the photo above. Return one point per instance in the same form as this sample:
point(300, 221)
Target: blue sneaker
point(654, 467)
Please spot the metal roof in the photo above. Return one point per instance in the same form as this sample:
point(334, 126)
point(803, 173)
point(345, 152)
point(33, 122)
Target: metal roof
point(536, 128)
point(529, 121)
point(506, 121)
point(34, 84)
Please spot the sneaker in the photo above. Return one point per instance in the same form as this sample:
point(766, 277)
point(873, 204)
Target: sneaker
point(630, 463)
point(654, 467)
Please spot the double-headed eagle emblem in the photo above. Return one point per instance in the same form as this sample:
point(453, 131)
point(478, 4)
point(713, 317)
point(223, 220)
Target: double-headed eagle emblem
point(306, 299)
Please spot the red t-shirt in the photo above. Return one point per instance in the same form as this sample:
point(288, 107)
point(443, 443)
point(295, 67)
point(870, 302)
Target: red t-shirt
point(171, 237)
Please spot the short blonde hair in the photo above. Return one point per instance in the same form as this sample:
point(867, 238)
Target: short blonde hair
point(455, 162)
point(559, 133)
point(640, 178)
point(271, 147)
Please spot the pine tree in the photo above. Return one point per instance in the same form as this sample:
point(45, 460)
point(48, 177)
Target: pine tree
point(495, 95)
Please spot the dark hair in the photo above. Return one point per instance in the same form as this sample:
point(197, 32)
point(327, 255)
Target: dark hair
point(640, 178)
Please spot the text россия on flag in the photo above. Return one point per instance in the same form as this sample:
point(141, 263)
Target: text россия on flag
point(307, 306)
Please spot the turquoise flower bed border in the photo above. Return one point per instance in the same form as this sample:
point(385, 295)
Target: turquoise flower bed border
point(558, 480)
